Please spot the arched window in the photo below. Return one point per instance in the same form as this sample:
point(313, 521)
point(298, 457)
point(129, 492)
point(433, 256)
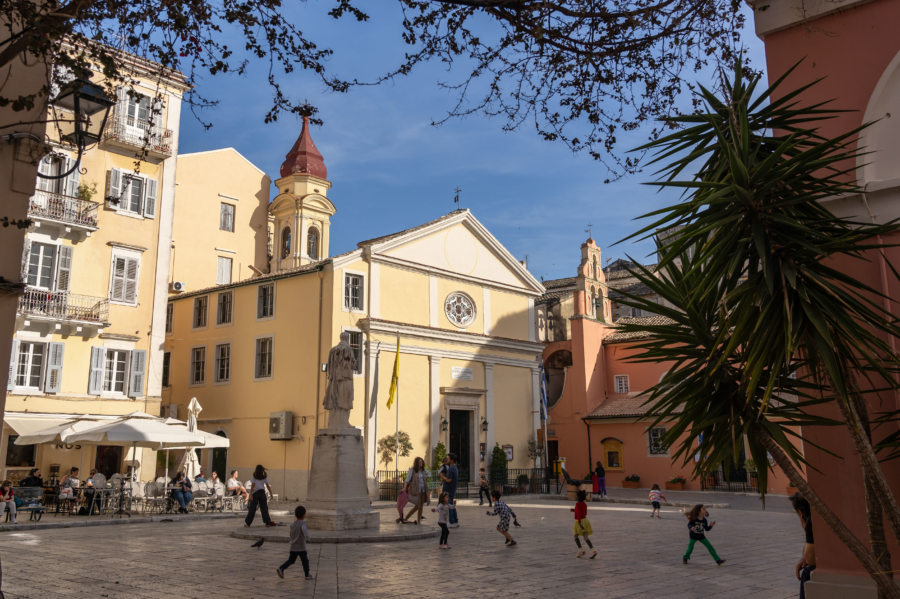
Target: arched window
point(312, 243)
point(613, 457)
point(593, 308)
point(595, 274)
point(285, 242)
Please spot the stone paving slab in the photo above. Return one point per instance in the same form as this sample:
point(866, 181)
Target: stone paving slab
point(638, 557)
point(386, 533)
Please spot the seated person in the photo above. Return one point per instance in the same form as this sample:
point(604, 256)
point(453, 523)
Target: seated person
point(182, 492)
point(7, 499)
point(214, 480)
point(69, 484)
point(236, 487)
point(33, 479)
point(200, 478)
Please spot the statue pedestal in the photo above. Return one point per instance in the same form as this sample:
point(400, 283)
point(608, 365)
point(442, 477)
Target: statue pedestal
point(338, 498)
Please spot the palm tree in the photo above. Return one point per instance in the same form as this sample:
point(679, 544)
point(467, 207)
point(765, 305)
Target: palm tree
point(763, 328)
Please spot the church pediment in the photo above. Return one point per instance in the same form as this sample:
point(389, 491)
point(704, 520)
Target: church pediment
point(458, 246)
point(311, 203)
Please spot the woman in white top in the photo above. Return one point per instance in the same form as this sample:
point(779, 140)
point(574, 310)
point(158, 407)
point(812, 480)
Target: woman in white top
point(260, 482)
point(236, 487)
point(417, 488)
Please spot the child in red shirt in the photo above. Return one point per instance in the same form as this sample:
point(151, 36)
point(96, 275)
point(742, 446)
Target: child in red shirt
point(582, 525)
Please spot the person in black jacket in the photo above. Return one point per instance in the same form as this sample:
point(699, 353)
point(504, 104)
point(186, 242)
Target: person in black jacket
point(33, 479)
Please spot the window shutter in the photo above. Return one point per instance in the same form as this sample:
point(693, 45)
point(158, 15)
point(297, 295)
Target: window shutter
point(259, 302)
point(150, 198)
point(70, 188)
point(136, 379)
point(95, 380)
point(53, 374)
point(143, 108)
point(13, 357)
point(64, 268)
point(114, 186)
point(26, 256)
point(45, 166)
point(131, 275)
point(117, 282)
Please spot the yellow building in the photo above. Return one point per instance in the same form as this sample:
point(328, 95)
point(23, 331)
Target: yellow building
point(90, 324)
point(460, 305)
point(221, 192)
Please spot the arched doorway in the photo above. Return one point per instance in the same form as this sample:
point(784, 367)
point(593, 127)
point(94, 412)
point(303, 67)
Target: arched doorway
point(220, 460)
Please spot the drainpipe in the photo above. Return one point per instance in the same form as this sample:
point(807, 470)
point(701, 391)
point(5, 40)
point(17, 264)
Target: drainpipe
point(590, 457)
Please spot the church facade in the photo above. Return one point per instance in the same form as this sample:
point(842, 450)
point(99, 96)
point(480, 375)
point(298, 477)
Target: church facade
point(460, 307)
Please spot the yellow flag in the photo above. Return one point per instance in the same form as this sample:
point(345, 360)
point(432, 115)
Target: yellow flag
point(394, 377)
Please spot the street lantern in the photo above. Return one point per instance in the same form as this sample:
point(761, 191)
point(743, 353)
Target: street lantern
point(484, 424)
point(90, 108)
point(444, 424)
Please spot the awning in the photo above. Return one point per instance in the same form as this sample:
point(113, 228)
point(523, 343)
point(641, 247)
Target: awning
point(29, 423)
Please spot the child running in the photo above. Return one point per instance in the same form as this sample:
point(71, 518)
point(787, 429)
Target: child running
point(583, 525)
point(443, 512)
point(299, 538)
point(655, 496)
point(502, 510)
point(697, 525)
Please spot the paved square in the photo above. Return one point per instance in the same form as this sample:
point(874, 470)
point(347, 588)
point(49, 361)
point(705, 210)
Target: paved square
point(639, 557)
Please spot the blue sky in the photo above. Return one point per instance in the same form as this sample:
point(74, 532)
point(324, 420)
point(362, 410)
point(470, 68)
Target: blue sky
point(391, 169)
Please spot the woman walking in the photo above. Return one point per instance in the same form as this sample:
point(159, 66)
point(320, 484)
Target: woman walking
point(417, 488)
point(260, 484)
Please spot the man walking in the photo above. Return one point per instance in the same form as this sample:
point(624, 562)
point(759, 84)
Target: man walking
point(450, 476)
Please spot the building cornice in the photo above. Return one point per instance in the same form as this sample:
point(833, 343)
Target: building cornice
point(771, 16)
point(374, 325)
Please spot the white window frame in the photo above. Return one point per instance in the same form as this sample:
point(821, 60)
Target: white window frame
point(192, 382)
point(216, 379)
point(170, 317)
point(126, 255)
point(362, 289)
point(104, 392)
point(167, 368)
point(362, 349)
point(223, 209)
point(54, 256)
point(660, 431)
point(271, 374)
point(44, 357)
point(121, 193)
point(230, 321)
point(258, 292)
point(194, 325)
point(622, 384)
point(220, 261)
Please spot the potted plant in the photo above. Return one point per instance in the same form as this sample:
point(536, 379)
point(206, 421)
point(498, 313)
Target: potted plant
point(632, 481)
point(676, 484)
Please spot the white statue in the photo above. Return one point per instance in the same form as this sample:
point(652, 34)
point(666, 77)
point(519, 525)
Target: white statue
point(339, 392)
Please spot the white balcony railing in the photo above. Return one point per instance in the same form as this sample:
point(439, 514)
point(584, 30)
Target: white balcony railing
point(57, 207)
point(138, 133)
point(64, 306)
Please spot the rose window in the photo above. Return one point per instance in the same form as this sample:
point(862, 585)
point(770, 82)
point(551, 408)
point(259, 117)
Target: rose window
point(460, 309)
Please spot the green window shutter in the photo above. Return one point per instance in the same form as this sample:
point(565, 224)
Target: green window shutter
point(13, 357)
point(64, 268)
point(138, 368)
point(95, 380)
point(53, 373)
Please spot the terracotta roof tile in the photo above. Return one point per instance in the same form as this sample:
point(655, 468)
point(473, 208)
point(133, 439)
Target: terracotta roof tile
point(410, 230)
point(618, 336)
point(631, 406)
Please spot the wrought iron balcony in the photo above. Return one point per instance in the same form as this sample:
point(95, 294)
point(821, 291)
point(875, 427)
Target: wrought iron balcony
point(122, 130)
point(62, 306)
point(61, 209)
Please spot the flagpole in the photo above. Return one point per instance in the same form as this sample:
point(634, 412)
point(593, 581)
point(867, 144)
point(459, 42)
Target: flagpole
point(397, 430)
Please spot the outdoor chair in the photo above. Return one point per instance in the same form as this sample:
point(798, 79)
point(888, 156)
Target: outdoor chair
point(201, 496)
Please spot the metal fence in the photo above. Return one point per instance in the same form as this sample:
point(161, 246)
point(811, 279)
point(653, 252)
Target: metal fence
point(518, 480)
point(138, 133)
point(737, 481)
point(45, 204)
point(62, 305)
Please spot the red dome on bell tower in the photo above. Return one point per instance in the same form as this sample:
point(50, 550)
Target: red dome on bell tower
point(304, 157)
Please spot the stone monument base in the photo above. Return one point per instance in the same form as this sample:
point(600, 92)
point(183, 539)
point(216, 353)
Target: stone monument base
point(338, 498)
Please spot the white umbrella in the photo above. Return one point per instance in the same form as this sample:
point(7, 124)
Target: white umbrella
point(53, 434)
point(136, 429)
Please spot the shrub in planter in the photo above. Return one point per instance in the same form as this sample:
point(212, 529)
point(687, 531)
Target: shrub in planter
point(632, 481)
point(676, 484)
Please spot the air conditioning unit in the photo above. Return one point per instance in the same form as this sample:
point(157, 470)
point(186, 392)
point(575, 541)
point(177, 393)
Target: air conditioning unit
point(178, 286)
point(281, 425)
point(170, 411)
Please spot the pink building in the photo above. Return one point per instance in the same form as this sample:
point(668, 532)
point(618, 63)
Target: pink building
point(594, 391)
point(855, 46)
